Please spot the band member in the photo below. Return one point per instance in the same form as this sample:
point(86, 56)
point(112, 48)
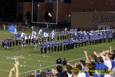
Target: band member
point(23, 39)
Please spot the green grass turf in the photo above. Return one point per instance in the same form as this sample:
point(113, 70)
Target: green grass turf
point(4, 35)
point(7, 35)
point(31, 57)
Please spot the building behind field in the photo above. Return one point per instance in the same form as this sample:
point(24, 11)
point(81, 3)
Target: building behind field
point(80, 13)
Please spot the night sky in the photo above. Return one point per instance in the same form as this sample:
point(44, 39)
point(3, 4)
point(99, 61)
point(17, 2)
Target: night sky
point(8, 10)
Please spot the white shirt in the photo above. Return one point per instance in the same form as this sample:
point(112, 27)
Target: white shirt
point(107, 75)
point(34, 33)
point(108, 64)
point(25, 37)
point(69, 75)
point(113, 72)
point(46, 34)
point(40, 32)
point(22, 35)
point(81, 74)
point(53, 34)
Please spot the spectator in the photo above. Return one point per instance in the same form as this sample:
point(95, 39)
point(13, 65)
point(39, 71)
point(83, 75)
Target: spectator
point(113, 72)
point(59, 61)
point(38, 73)
point(101, 68)
point(49, 73)
point(69, 71)
point(75, 72)
point(59, 70)
point(64, 61)
point(43, 74)
point(80, 73)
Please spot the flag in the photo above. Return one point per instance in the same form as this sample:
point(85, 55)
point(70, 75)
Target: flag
point(12, 29)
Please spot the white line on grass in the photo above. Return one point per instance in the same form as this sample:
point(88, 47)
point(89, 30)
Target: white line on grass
point(42, 68)
point(50, 66)
point(4, 70)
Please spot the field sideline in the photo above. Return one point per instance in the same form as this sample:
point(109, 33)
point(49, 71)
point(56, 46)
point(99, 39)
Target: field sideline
point(30, 58)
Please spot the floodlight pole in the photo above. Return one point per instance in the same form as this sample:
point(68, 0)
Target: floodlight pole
point(47, 25)
point(32, 11)
point(57, 8)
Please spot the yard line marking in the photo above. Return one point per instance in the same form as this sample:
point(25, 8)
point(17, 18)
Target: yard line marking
point(4, 70)
point(49, 66)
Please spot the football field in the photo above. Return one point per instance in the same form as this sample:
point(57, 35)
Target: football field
point(31, 59)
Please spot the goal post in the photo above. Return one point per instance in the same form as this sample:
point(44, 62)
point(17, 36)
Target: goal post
point(42, 22)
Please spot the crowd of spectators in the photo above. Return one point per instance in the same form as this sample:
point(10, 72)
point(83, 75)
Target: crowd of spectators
point(95, 65)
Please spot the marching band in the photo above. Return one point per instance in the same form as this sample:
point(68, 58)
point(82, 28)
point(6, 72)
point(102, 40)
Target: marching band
point(57, 41)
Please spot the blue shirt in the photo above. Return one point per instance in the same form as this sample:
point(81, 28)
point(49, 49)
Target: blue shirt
point(38, 75)
point(100, 67)
point(113, 64)
point(87, 75)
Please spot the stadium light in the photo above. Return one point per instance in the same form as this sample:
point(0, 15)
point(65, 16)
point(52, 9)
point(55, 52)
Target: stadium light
point(49, 14)
point(38, 5)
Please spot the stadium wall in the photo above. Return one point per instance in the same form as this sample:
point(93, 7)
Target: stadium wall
point(92, 5)
point(93, 19)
